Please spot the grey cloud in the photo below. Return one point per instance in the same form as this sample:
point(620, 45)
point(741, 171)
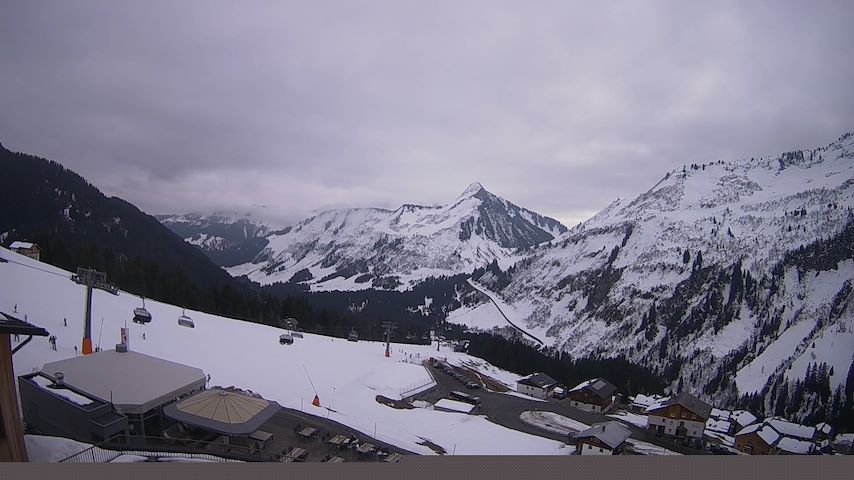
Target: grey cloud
point(560, 107)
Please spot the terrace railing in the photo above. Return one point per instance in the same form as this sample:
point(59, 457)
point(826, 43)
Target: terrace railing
point(158, 447)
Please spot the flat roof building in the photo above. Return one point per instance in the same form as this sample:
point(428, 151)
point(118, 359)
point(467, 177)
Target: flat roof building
point(135, 384)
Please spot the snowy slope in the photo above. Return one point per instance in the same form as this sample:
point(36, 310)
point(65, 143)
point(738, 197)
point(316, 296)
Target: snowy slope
point(348, 376)
point(364, 248)
point(630, 280)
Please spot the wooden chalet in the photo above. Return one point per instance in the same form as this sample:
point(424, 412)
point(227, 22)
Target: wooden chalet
point(27, 249)
point(681, 416)
point(606, 438)
point(538, 385)
point(594, 395)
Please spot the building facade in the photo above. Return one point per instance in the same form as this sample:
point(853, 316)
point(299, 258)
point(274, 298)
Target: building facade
point(538, 385)
point(596, 395)
point(27, 249)
point(682, 417)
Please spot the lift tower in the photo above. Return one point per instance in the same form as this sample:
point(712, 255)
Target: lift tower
point(91, 279)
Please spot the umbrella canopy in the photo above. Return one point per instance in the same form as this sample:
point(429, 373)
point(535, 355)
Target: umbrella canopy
point(223, 411)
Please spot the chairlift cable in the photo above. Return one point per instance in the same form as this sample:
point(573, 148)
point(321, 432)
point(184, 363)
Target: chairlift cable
point(309, 379)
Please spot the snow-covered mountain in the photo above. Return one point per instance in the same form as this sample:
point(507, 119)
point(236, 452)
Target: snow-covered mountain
point(724, 276)
point(227, 349)
point(228, 238)
point(360, 248)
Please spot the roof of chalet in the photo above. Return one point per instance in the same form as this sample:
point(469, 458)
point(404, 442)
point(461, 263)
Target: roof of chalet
point(721, 414)
point(791, 445)
point(791, 429)
point(26, 245)
point(13, 325)
point(599, 386)
point(743, 418)
point(641, 400)
point(688, 401)
point(765, 432)
point(540, 380)
point(824, 428)
point(718, 425)
point(610, 433)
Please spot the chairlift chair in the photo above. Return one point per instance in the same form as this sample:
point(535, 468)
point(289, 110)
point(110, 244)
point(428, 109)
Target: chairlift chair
point(185, 321)
point(353, 336)
point(141, 315)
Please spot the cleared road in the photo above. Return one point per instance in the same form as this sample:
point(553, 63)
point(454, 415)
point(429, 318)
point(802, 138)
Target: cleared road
point(505, 410)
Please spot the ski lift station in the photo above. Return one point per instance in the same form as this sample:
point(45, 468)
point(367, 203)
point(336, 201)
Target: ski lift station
point(58, 400)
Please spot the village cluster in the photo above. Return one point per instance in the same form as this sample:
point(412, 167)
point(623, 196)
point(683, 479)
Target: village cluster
point(684, 419)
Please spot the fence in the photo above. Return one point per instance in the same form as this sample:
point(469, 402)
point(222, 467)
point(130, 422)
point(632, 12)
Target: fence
point(157, 447)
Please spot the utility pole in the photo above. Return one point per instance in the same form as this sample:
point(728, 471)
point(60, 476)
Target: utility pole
point(91, 279)
point(388, 327)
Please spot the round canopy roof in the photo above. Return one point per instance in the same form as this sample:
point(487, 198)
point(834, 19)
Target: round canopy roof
point(223, 411)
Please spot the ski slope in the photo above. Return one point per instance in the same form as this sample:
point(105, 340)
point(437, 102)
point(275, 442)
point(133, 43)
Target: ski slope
point(347, 375)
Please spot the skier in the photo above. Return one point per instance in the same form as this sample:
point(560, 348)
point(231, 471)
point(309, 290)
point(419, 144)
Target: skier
point(64, 322)
point(16, 308)
point(143, 335)
point(75, 350)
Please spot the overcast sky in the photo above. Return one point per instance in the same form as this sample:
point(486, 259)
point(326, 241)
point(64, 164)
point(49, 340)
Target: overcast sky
point(560, 107)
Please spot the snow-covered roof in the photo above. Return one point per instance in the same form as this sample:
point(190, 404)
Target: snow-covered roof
point(25, 245)
point(743, 418)
point(791, 445)
point(720, 414)
point(791, 429)
point(540, 380)
point(598, 386)
point(768, 434)
point(824, 428)
point(718, 425)
point(132, 381)
point(641, 400)
point(765, 432)
point(687, 400)
point(610, 433)
point(73, 397)
point(454, 405)
point(748, 429)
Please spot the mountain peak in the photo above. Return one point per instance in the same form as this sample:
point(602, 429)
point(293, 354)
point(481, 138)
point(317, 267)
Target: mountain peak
point(472, 189)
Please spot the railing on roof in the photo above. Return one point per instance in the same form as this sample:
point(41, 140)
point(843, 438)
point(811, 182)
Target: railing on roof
point(155, 447)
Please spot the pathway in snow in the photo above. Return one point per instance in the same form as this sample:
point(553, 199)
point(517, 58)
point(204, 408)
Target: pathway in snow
point(490, 295)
